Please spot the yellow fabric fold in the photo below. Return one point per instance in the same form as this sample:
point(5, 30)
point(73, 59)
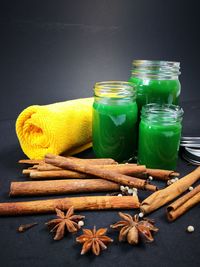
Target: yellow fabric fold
point(64, 127)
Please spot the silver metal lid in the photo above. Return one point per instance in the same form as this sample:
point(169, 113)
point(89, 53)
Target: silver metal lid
point(190, 149)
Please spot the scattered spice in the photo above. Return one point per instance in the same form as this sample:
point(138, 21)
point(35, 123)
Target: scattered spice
point(150, 178)
point(141, 215)
point(125, 191)
point(24, 227)
point(80, 224)
point(130, 191)
point(190, 188)
point(172, 181)
point(95, 240)
point(169, 182)
point(190, 228)
point(64, 221)
point(131, 228)
point(122, 188)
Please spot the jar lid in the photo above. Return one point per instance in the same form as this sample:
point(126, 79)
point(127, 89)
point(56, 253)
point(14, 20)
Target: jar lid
point(190, 149)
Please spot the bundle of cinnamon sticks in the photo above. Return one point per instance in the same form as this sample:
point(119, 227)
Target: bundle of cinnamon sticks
point(182, 204)
point(83, 175)
point(49, 169)
point(97, 175)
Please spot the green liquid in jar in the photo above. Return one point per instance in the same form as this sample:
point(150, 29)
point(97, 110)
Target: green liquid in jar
point(159, 144)
point(156, 91)
point(114, 128)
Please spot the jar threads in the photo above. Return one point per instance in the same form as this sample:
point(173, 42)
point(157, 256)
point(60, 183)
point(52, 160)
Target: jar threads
point(152, 69)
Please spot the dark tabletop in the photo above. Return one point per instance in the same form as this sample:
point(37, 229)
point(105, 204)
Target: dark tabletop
point(54, 51)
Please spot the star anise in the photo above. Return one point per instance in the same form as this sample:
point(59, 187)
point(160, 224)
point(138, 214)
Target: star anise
point(131, 228)
point(68, 221)
point(94, 240)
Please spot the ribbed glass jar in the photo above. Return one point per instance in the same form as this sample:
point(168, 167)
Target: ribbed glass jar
point(114, 126)
point(159, 136)
point(156, 81)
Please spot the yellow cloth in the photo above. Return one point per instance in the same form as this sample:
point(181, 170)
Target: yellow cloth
point(55, 128)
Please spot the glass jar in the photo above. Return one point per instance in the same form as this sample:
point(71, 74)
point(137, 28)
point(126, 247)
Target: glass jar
point(114, 127)
point(159, 136)
point(156, 82)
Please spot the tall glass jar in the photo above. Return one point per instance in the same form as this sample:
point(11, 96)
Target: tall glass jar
point(159, 136)
point(156, 81)
point(114, 127)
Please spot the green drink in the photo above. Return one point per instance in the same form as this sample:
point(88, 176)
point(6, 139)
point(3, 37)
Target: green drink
point(114, 127)
point(156, 82)
point(159, 136)
point(156, 91)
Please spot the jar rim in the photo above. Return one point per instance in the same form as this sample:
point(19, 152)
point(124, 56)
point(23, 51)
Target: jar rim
point(162, 112)
point(156, 69)
point(146, 62)
point(114, 89)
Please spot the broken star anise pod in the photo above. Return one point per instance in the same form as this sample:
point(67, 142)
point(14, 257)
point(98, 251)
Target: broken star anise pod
point(68, 221)
point(131, 228)
point(96, 240)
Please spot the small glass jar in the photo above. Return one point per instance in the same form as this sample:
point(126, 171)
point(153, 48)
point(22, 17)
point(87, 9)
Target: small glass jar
point(159, 136)
point(114, 126)
point(156, 82)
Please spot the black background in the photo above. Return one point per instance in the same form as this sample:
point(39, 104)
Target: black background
point(56, 50)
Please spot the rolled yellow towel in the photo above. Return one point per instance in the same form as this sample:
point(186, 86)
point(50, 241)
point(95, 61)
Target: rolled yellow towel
point(55, 128)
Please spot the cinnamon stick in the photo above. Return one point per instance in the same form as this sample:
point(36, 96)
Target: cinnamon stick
point(56, 174)
point(30, 161)
point(161, 197)
point(79, 203)
point(101, 161)
point(28, 171)
point(110, 175)
point(184, 203)
point(131, 170)
point(42, 166)
point(127, 169)
point(47, 167)
point(57, 187)
point(162, 174)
